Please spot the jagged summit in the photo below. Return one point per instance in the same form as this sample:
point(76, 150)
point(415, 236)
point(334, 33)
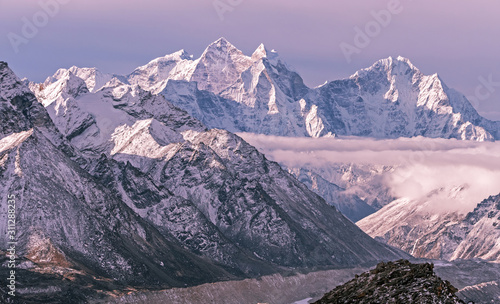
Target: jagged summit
point(221, 43)
point(15, 102)
point(262, 52)
point(180, 54)
point(391, 66)
point(221, 46)
point(93, 77)
point(10, 84)
point(72, 84)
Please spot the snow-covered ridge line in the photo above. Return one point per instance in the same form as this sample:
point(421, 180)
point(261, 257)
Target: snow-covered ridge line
point(13, 140)
point(225, 88)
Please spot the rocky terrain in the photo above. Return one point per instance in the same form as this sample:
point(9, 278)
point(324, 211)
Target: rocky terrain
point(395, 282)
point(476, 281)
point(422, 233)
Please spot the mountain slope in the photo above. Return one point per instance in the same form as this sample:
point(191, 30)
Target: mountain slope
point(348, 203)
point(408, 225)
point(66, 221)
point(250, 213)
point(481, 228)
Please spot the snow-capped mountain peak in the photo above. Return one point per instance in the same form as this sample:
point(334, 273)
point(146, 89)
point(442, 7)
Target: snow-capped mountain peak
point(262, 52)
point(219, 66)
point(94, 79)
point(220, 44)
point(179, 55)
point(222, 51)
point(178, 65)
point(407, 61)
point(225, 88)
point(10, 84)
point(390, 67)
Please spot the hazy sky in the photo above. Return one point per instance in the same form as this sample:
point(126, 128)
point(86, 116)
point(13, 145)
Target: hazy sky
point(456, 38)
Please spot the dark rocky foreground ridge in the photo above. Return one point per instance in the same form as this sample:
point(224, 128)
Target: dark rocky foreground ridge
point(395, 282)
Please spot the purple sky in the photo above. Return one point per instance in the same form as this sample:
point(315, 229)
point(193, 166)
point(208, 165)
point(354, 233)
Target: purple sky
point(457, 39)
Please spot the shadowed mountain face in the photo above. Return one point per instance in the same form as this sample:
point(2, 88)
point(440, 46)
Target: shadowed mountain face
point(395, 282)
point(348, 203)
point(67, 221)
point(120, 184)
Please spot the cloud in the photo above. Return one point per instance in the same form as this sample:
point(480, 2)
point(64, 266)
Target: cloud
point(445, 174)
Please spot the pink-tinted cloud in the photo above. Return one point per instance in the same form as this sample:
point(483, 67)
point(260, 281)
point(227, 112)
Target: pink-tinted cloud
point(421, 165)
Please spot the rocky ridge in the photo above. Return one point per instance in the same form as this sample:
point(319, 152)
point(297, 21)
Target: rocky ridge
point(395, 282)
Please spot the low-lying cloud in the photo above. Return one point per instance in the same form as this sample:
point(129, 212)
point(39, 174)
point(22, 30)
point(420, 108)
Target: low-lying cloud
point(448, 174)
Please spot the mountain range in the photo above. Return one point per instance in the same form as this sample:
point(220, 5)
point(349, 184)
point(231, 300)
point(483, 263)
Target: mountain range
point(224, 88)
point(118, 183)
point(227, 89)
point(140, 178)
